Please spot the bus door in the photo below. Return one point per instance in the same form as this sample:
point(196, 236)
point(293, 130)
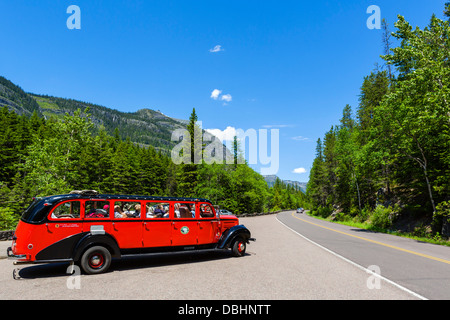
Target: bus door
point(208, 225)
point(64, 221)
point(184, 225)
point(157, 226)
point(97, 217)
point(127, 224)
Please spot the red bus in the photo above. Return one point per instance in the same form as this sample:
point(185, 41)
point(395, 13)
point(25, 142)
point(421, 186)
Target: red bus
point(90, 229)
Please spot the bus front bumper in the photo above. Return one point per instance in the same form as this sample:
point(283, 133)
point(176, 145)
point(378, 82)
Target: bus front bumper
point(18, 259)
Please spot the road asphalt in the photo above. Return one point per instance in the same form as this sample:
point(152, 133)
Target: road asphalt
point(280, 265)
point(423, 268)
point(3, 246)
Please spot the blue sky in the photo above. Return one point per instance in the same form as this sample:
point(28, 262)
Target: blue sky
point(287, 65)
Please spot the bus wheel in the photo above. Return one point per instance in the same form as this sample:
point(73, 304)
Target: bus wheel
point(239, 247)
point(96, 260)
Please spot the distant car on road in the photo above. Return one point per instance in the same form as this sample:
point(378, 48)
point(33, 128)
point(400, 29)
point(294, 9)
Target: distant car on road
point(225, 212)
point(300, 210)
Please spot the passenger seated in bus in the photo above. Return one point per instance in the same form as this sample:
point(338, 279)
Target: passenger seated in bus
point(100, 213)
point(137, 211)
point(159, 211)
point(150, 210)
point(105, 210)
point(118, 213)
point(134, 214)
point(94, 213)
point(177, 210)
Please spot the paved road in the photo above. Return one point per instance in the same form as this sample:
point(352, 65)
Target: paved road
point(420, 267)
point(280, 265)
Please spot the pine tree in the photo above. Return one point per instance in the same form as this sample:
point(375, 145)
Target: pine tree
point(316, 184)
point(387, 44)
point(195, 136)
point(347, 120)
point(188, 175)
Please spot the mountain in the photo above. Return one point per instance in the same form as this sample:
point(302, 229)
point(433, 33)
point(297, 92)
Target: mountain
point(146, 127)
point(16, 99)
point(272, 178)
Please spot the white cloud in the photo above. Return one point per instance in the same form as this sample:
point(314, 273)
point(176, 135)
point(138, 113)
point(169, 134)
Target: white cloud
point(227, 97)
point(300, 138)
point(299, 170)
point(217, 48)
point(224, 135)
point(215, 94)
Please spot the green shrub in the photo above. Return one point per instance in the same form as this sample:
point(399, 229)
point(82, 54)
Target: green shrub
point(420, 231)
point(342, 217)
point(8, 220)
point(323, 212)
point(441, 218)
point(382, 217)
point(364, 215)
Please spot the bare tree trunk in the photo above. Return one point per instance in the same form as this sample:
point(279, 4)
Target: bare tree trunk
point(429, 189)
point(423, 164)
point(357, 188)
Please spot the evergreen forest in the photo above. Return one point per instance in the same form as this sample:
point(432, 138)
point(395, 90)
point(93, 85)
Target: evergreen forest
point(42, 157)
point(388, 161)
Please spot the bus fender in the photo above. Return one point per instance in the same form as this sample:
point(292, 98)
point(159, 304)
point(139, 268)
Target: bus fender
point(90, 240)
point(231, 234)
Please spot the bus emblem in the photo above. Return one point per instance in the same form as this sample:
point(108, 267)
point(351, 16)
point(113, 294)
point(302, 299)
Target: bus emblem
point(184, 230)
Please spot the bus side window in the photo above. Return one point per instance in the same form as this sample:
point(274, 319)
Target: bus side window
point(96, 209)
point(67, 210)
point(157, 210)
point(206, 211)
point(184, 210)
point(129, 209)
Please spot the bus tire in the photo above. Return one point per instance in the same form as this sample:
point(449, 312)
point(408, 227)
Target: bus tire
point(239, 247)
point(96, 260)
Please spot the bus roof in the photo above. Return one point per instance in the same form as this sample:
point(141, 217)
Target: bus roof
point(58, 198)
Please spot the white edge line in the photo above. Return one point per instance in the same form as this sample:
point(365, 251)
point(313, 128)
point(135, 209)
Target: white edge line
point(355, 264)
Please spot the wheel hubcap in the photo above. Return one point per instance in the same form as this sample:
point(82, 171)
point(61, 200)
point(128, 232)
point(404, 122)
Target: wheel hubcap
point(96, 261)
point(241, 246)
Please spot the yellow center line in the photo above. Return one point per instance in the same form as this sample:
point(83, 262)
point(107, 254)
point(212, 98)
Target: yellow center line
point(376, 242)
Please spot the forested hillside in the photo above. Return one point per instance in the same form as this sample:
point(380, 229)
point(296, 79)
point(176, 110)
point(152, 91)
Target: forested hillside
point(390, 159)
point(15, 99)
point(272, 179)
point(42, 157)
point(146, 127)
